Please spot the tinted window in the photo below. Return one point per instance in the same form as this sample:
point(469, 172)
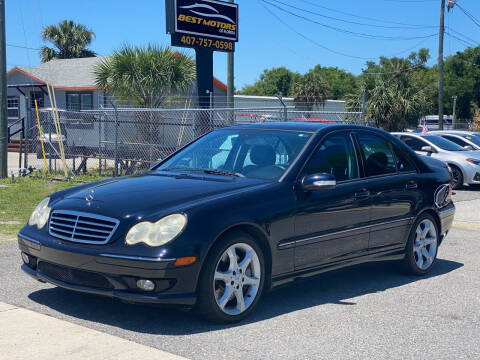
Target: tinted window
point(335, 156)
point(443, 143)
point(473, 138)
point(403, 163)
point(264, 154)
point(457, 141)
point(379, 159)
point(414, 143)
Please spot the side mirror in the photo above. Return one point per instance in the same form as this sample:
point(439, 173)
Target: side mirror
point(468, 147)
point(428, 149)
point(316, 182)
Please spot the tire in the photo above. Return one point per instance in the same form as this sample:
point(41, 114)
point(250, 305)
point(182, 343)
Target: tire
point(422, 246)
point(457, 177)
point(219, 296)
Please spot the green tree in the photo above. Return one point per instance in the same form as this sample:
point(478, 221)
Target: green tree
point(145, 76)
point(340, 82)
point(462, 78)
point(276, 81)
point(310, 90)
point(398, 91)
point(70, 40)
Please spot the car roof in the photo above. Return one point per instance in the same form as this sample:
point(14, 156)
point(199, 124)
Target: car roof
point(414, 134)
point(297, 126)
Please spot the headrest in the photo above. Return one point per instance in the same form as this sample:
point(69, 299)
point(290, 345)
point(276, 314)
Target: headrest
point(263, 155)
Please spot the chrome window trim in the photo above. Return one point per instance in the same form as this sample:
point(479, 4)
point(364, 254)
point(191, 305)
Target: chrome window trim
point(137, 258)
point(84, 214)
point(296, 242)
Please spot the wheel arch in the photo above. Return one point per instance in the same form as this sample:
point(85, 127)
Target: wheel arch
point(435, 216)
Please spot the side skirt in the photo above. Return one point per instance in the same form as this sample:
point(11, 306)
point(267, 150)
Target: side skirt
point(397, 254)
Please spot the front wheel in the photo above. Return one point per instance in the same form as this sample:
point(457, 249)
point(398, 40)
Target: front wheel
point(232, 279)
point(422, 246)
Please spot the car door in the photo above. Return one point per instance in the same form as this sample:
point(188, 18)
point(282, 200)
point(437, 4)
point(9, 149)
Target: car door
point(394, 188)
point(330, 225)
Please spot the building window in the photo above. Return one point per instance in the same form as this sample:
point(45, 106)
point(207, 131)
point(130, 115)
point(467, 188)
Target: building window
point(12, 107)
point(36, 95)
point(77, 101)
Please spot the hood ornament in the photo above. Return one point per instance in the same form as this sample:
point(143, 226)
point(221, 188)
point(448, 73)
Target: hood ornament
point(90, 195)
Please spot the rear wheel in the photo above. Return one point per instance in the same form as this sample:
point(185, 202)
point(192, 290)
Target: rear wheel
point(457, 177)
point(422, 246)
point(232, 279)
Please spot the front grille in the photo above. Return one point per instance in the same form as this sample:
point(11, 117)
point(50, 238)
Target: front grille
point(74, 276)
point(81, 227)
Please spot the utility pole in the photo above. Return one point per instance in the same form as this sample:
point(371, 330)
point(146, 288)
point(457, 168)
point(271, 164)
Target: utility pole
point(454, 120)
point(3, 95)
point(230, 82)
point(441, 35)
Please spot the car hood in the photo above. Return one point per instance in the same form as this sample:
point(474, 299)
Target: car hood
point(146, 195)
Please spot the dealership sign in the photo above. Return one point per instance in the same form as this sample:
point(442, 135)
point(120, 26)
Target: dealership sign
point(203, 23)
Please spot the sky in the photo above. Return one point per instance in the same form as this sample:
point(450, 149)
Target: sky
point(298, 34)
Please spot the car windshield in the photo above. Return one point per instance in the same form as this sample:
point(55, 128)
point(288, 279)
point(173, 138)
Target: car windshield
point(251, 153)
point(443, 143)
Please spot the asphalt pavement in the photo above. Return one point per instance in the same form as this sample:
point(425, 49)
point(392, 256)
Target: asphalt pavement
point(367, 311)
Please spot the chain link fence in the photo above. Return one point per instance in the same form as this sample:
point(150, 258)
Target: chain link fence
point(119, 141)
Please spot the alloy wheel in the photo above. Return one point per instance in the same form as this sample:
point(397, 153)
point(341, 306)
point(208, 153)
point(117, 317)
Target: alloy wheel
point(425, 244)
point(237, 278)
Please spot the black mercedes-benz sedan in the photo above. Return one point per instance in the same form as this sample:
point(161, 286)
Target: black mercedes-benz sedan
point(239, 211)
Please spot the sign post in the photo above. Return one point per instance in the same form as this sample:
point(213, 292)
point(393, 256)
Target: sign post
point(206, 26)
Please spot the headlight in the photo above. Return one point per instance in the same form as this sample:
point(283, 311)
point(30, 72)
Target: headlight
point(159, 233)
point(40, 214)
point(474, 161)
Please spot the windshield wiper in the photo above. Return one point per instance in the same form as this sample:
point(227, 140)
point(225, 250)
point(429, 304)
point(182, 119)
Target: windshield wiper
point(222, 172)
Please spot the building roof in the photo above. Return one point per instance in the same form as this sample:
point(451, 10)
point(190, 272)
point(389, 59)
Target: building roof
point(68, 74)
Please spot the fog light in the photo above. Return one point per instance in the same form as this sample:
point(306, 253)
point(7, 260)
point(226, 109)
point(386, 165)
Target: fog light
point(25, 258)
point(146, 285)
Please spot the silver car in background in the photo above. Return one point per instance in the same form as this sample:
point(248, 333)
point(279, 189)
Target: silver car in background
point(465, 139)
point(465, 165)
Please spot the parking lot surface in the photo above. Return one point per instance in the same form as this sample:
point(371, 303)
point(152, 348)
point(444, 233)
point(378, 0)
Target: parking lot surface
point(372, 310)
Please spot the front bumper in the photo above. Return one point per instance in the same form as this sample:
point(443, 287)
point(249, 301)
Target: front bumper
point(110, 275)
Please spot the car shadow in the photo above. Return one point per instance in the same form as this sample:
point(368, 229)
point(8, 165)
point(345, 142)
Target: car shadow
point(336, 287)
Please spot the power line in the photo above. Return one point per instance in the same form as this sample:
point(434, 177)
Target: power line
point(22, 47)
point(331, 50)
point(362, 17)
point(348, 21)
point(469, 15)
point(307, 38)
point(362, 35)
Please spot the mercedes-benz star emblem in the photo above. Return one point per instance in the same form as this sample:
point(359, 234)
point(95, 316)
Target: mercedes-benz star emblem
point(90, 195)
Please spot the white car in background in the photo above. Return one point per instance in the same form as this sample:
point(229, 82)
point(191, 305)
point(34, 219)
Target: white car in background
point(463, 138)
point(465, 165)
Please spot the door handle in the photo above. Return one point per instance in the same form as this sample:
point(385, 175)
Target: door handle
point(411, 186)
point(362, 194)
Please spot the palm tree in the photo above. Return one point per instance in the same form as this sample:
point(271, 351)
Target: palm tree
point(70, 41)
point(310, 90)
point(145, 76)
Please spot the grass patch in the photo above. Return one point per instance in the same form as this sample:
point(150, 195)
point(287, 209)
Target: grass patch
point(18, 200)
